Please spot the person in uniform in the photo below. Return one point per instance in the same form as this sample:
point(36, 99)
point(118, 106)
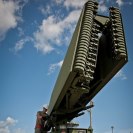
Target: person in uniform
point(40, 120)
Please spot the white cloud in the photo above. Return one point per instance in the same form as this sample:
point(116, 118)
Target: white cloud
point(4, 125)
point(8, 126)
point(54, 66)
point(120, 2)
point(121, 75)
point(79, 4)
point(130, 3)
point(71, 18)
point(102, 7)
point(20, 44)
point(45, 10)
point(21, 31)
point(8, 19)
point(8, 122)
point(58, 1)
point(9, 15)
point(51, 30)
point(74, 3)
point(4, 130)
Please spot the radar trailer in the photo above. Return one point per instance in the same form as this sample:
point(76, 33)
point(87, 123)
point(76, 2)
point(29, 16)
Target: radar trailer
point(97, 51)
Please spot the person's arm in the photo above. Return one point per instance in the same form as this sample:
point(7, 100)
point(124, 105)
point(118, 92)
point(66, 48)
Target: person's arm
point(39, 117)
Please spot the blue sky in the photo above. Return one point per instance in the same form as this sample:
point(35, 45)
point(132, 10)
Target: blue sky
point(34, 36)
